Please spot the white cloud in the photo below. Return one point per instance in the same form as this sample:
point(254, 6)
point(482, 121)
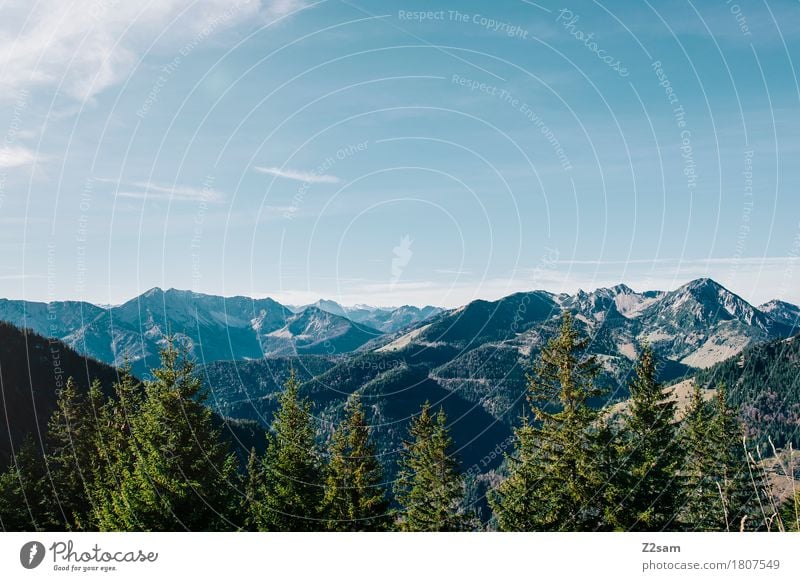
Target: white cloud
point(280, 8)
point(297, 175)
point(19, 276)
point(757, 280)
point(16, 156)
point(175, 193)
point(85, 47)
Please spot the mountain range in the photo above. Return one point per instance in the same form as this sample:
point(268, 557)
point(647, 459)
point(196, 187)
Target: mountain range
point(695, 326)
point(214, 328)
point(472, 361)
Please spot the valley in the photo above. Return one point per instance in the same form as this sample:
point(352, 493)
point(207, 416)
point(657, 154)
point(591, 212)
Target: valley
point(472, 361)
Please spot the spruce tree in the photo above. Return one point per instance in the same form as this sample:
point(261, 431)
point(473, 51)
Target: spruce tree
point(53, 491)
point(115, 452)
point(355, 499)
point(555, 478)
point(611, 448)
point(740, 494)
point(649, 455)
point(252, 486)
point(72, 457)
point(292, 492)
point(24, 499)
point(718, 490)
point(790, 513)
point(512, 503)
point(429, 488)
point(701, 500)
point(182, 474)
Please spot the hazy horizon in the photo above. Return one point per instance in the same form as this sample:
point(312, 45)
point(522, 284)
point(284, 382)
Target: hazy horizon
point(304, 303)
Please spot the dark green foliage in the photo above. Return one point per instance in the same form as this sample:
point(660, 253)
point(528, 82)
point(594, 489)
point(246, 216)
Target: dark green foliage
point(72, 457)
point(429, 488)
point(514, 500)
point(56, 491)
point(355, 498)
point(153, 457)
point(481, 321)
point(492, 375)
point(740, 494)
point(764, 383)
point(250, 389)
point(701, 497)
point(647, 486)
point(292, 491)
point(394, 385)
point(397, 395)
point(790, 513)
point(720, 493)
point(252, 485)
point(24, 493)
point(115, 453)
point(176, 473)
point(32, 371)
point(555, 480)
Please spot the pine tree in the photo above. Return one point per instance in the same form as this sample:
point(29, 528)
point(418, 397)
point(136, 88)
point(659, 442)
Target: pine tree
point(649, 455)
point(252, 485)
point(72, 457)
point(790, 513)
point(740, 497)
point(555, 479)
point(701, 507)
point(54, 490)
point(719, 492)
point(429, 488)
point(182, 474)
point(115, 452)
point(355, 499)
point(610, 442)
point(512, 503)
point(24, 504)
point(292, 493)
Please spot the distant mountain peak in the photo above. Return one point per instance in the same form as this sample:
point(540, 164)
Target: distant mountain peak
point(701, 317)
point(777, 304)
point(622, 289)
point(782, 312)
point(328, 306)
point(712, 296)
point(703, 283)
point(153, 292)
point(312, 311)
point(366, 307)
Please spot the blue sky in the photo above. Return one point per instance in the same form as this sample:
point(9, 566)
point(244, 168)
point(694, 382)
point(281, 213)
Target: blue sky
point(397, 152)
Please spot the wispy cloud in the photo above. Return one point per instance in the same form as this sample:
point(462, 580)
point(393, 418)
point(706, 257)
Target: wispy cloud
point(456, 271)
point(693, 262)
point(174, 193)
point(757, 280)
point(85, 47)
point(16, 156)
point(298, 175)
point(280, 8)
point(19, 276)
